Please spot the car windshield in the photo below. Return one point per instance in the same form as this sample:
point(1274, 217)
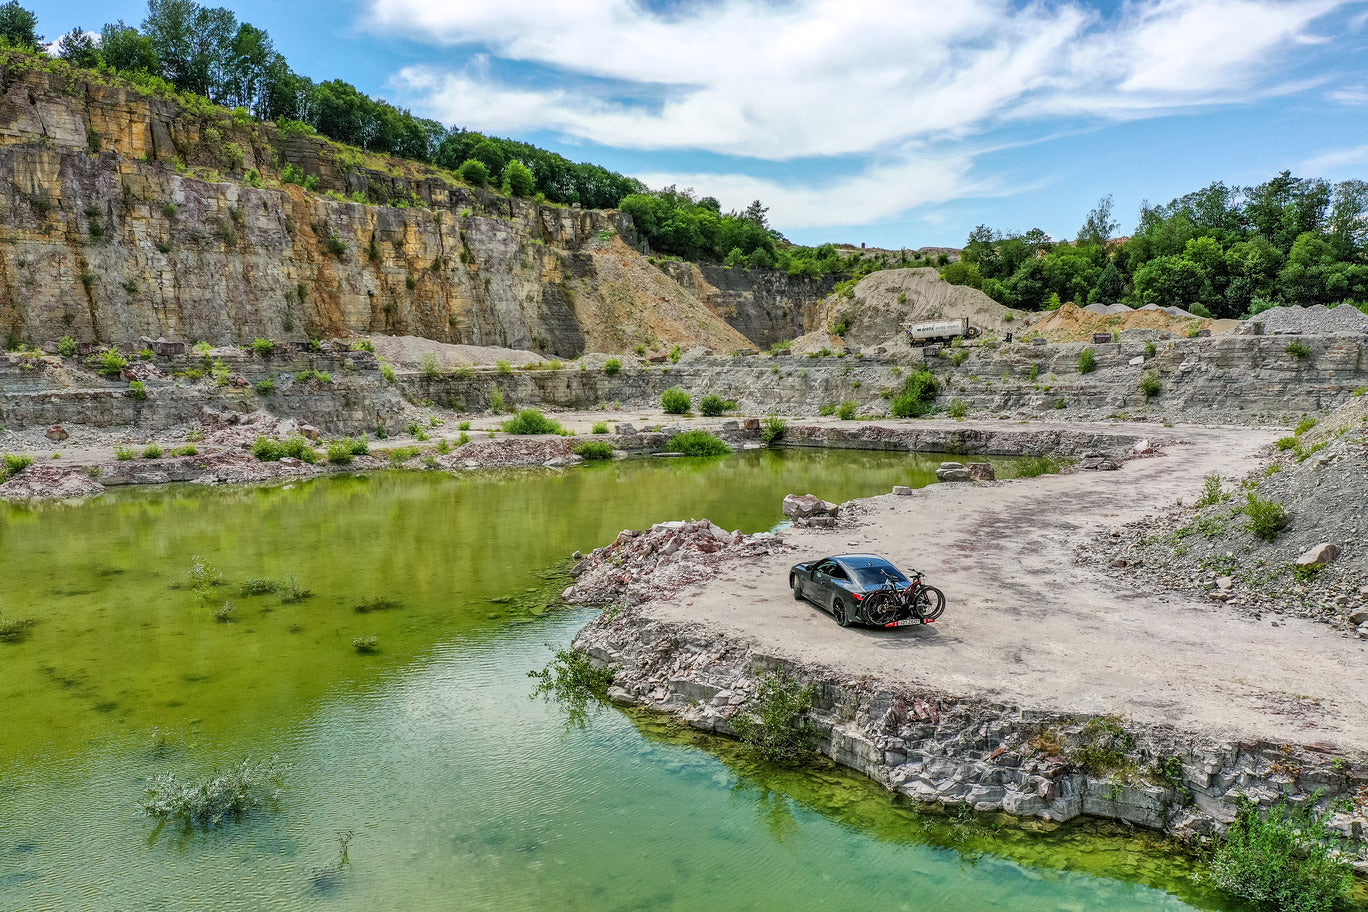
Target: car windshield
point(876, 576)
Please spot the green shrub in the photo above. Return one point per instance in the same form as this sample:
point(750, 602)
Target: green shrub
point(473, 172)
point(266, 386)
point(343, 449)
point(712, 405)
point(772, 724)
point(1035, 466)
point(111, 362)
point(504, 368)
point(1102, 746)
point(919, 389)
point(152, 451)
point(1264, 518)
point(1211, 492)
point(674, 355)
point(1287, 443)
point(531, 421)
point(137, 389)
point(1150, 350)
point(1299, 349)
point(1087, 361)
point(263, 347)
point(826, 409)
point(847, 410)
point(1280, 861)
point(66, 347)
point(429, 367)
point(1305, 425)
point(366, 645)
point(675, 401)
point(773, 429)
point(698, 443)
point(612, 366)
point(594, 449)
point(207, 802)
point(123, 453)
point(600, 427)
point(958, 408)
point(387, 372)
point(1149, 385)
point(14, 465)
point(496, 401)
point(187, 450)
point(268, 450)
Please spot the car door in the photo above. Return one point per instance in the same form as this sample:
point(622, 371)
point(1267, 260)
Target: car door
point(826, 588)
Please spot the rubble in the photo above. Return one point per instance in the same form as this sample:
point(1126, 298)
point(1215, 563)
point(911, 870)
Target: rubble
point(643, 565)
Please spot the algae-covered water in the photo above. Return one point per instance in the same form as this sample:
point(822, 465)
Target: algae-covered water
point(450, 787)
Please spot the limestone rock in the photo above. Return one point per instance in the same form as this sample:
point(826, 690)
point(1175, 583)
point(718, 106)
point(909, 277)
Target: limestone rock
point(310, 432)
point(1318, 556)
point(902, 490)
point(57, 433)
point(798, 507)
point(952, 471)
point(982, 471)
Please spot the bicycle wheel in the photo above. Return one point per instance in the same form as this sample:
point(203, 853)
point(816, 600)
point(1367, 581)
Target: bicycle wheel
point(881, 608)
point(928, 603)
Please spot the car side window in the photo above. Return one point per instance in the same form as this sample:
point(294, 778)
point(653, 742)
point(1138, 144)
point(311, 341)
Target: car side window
point(837, 571)
point(825, 567)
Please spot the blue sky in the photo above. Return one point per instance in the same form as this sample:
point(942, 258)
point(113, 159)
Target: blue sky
point(891, 122)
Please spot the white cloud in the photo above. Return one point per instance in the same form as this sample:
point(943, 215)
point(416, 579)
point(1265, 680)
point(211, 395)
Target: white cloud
point(1336, 160)
point(826, 78)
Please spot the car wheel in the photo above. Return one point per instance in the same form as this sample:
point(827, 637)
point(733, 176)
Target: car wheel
point(793, 584)
point(838, 610)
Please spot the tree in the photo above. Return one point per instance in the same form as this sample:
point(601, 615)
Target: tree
point(518, 179)
point(18, 26)
point(1170, 281)
point(78, 48)
point(1099, 226)
point(474, 172)
point(127, 50)
point(1110, 288)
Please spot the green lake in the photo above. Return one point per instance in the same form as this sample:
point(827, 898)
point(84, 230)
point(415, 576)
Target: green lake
point(458, 790)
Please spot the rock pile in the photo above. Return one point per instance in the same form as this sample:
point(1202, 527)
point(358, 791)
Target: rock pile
point(639, 566)
point(507, 452)
point(1317, 320)
point(810, 510)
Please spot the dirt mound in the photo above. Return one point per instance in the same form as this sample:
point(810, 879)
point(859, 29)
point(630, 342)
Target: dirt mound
point(1072, 324)
point(1321, 483)
point(882, 302)
point(631, 303)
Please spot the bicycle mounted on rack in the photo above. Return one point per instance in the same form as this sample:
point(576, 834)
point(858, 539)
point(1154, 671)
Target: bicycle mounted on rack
point(893, 606)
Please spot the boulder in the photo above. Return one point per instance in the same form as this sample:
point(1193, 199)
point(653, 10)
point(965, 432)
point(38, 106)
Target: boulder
point(1143, 448)
point(625, 430)
point(982, 471)
point(902, 490)
point(751, 424)
point(57, 433)
point(1318, 556)
point(800, 507)
point(310, 432)
point(952, 471)
point(1358, 616)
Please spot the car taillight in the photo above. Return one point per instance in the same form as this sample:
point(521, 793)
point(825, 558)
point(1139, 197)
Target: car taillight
point(858, 596)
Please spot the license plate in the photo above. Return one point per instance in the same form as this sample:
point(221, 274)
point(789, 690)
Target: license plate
point(905, 622)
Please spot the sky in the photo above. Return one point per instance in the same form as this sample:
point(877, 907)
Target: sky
point(896, 123)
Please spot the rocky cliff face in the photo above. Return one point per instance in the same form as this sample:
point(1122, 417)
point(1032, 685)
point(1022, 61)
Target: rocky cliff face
point(131, 215)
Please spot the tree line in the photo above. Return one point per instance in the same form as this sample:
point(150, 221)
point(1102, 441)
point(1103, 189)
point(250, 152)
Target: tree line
point(1221, 251)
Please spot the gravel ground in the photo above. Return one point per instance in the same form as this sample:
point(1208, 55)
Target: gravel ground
point(1315, 320)
point(1208, 549)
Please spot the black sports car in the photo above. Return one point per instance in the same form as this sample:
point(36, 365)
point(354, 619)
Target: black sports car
point(844, 585)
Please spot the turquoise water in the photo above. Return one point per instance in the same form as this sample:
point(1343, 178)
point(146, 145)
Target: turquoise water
point(456, 789)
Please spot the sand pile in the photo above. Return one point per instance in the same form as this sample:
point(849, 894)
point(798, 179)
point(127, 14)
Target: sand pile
point(1072, 324)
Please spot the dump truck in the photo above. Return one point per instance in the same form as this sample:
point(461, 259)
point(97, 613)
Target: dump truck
point(940, 331)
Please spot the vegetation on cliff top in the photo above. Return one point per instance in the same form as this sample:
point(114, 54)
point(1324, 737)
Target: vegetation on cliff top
point(1220, 251)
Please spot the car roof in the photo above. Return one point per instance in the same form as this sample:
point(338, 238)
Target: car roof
point(862, 560)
